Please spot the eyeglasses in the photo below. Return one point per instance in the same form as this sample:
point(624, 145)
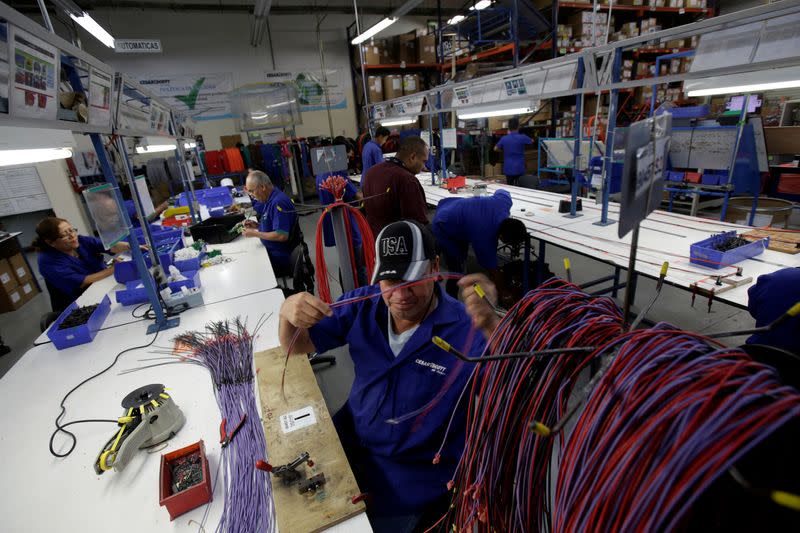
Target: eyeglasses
point(67, 234)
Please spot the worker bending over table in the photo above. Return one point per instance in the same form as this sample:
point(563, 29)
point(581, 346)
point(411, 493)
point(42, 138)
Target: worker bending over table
point(277, 220)
point(70, 262)
point(480, 222)
point(392, 191)
point(372, 153)
point(399, 370)
point(513, 144)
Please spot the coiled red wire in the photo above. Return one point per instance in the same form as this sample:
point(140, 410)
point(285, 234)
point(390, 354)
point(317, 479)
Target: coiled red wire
point(336, 186)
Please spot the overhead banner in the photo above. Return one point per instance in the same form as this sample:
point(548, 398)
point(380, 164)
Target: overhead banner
point(137, 46)
point(311, 87)
point(200, 96)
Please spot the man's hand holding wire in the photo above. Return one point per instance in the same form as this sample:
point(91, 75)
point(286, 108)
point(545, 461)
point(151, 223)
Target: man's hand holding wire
point(303, 310)
point(480, 297)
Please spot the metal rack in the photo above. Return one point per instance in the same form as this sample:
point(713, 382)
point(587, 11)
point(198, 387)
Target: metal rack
point(598, 69)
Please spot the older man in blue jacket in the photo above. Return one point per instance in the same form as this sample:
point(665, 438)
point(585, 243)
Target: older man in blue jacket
point(398, 370)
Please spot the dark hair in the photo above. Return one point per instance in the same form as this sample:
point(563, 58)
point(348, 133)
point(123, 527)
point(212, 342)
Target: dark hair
point(513, 123)
point(411, 145)
point(512, 231)
point(47, 230)
point(382, 131)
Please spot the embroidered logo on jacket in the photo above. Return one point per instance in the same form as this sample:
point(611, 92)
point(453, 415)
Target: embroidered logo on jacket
point(438, 369)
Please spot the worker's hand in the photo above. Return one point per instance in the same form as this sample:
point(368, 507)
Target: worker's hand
point(250, 232)
point(479, 309)
point(250, 224)
point(303, 310)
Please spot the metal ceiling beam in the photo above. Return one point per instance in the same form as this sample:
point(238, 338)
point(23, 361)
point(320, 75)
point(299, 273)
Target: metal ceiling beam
point(32, 7)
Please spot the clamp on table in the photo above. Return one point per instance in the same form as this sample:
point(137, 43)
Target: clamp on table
point(289, 474)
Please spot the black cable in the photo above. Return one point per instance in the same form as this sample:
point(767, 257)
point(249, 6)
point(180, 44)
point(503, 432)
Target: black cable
point(60, 428)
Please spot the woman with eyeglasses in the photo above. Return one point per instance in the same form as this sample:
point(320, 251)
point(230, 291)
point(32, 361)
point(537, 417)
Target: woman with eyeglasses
point(70, 262)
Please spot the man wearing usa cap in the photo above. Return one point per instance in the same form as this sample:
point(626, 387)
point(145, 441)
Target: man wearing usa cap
point(398, 370)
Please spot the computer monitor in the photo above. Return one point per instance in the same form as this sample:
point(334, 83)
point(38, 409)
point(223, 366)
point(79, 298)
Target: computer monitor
point(735, 103)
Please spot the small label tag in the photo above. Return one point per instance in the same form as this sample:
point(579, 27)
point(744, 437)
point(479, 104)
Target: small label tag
point(298, 419)
point(5, 278)
point(20, 272)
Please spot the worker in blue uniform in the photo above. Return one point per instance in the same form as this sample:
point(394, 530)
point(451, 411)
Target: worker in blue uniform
point(69, 262)
point(478, 222)
point(513, 146)
point(398, 370)
point(771, 296)
point(372, 153)
point(276, 225)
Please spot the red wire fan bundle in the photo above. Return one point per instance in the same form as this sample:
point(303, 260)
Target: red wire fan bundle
point(336, 186)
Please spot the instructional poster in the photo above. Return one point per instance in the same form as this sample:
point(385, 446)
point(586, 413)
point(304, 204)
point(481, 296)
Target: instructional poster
point(311, 87)
point(35, 73)
point(21, 191)
point(100, 84)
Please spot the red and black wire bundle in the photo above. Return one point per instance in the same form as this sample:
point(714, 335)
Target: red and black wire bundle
point(336, 186)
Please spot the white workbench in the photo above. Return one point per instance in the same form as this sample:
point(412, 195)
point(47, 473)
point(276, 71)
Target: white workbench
point(44, 493)
point(663, 237)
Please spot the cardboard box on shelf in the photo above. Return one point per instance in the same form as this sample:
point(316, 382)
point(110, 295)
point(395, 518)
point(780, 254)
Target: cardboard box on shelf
point(373, 53)
point(407, 48)
point(375, 88)
point(411, 83)
point(28, 290)
point(20, 269)
point(426, 49)
point(392, 86)
point(7, 279)
point(11, 300)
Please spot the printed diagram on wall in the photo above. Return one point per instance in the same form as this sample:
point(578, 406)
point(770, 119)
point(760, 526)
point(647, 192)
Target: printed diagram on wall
point(201, 96)
point(311, 87)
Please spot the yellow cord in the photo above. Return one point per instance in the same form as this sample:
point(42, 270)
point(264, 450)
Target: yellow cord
point(786, 499)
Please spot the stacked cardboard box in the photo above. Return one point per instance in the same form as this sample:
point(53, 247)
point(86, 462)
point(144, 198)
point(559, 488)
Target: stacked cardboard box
point(392, 86)
point(373, 53)
point(696, 3)
point(375, 88)
point(589, 27)
point(564, 35)
point(645, 69)
point(627, 69)
point(407, 48)
point(426, 49)
point(411, 84)
point(18, 285)
point(649, 25)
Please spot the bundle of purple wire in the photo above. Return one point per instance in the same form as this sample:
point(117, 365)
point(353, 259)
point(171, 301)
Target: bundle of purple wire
point(226, 350)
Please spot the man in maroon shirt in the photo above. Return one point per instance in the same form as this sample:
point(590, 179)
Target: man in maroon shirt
point(391, 189)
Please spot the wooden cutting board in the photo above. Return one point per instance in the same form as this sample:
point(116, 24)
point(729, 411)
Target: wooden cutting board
point(295, 512)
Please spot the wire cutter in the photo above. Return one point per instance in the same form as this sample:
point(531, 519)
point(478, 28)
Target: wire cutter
point(225, 439)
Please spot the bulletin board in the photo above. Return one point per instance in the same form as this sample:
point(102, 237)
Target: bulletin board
point(21, 191)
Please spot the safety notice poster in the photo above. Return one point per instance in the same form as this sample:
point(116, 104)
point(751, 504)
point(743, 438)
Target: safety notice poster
point(35, 76)
point(100, 97)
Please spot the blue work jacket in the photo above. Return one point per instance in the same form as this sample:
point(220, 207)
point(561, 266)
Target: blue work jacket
point(398, 457)
point(513, 145)
point(371, 155)
point(65, 272)
point(771, 296)
point(459, 222)
point(280, 216)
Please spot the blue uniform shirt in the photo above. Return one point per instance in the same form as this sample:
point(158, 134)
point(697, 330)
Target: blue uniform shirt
point(65, 272)
point(371, 155)
point(326, 198)
point(771, 296)
point(400, 475)
point(278, 215)
point(460, 222)
point(513, 145)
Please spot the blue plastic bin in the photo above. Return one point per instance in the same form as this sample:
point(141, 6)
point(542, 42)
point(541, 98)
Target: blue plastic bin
point(132, 294)
point(126, 270)
point(213, 197)
point(190, 265)
point(709, 179)
point(192, 280)
point(66, 338)
point(703, 252)
point(673, 175)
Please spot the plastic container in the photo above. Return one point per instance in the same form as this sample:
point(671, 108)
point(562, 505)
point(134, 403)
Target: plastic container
point(188, 265)
point(698, 111)
point(693, 177)
point(192, 280)
point(66, 338)
point(216, 230)
point(191, 498)
point(213, 197)
point(704, 253)
point(709, 179)
point(132, 294)
point(673, 175)
point(126, 270)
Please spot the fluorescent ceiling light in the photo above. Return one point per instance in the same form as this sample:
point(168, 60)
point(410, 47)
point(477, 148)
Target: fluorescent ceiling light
point(90, 25)
point(498, 110)
point(189, 145)
point(754, 88)
point(481, 4)
point(153, 148)
point(382, 25)
point(456, 19)
point(397, 121)
point(34, 155)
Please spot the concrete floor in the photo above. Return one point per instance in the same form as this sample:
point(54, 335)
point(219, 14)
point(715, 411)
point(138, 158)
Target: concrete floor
point(20, 328)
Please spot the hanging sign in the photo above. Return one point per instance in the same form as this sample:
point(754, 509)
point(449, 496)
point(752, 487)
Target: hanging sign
point(100, 85)
point(34, 77)
point(137, 46)
point(515, 87)
point(378, 112)
point(462, 96)
point(200, 96)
